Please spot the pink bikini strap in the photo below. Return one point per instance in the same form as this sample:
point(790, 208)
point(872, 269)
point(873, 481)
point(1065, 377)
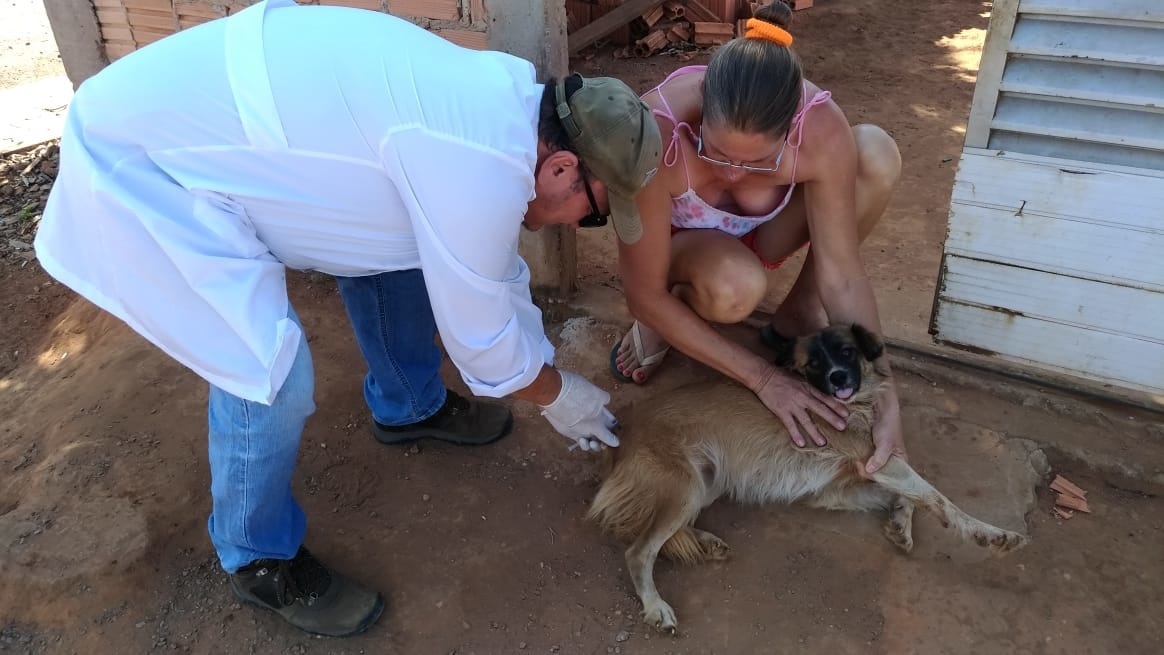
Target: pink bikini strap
point(798, 123)
point(671, 155)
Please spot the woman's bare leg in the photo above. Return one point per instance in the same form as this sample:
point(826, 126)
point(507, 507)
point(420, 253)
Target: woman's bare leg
point(878, 169)
point(715, 275)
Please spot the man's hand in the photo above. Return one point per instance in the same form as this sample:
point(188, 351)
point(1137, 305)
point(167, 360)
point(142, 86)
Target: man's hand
point(792, 399)
point(888, 438)
point(579, 413)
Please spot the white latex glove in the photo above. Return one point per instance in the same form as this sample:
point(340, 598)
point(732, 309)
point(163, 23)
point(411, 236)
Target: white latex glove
point(579, 413)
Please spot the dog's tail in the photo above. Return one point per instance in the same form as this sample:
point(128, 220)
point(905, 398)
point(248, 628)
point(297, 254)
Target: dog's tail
point(684, 547)
point(621, 507)
point(631, 499)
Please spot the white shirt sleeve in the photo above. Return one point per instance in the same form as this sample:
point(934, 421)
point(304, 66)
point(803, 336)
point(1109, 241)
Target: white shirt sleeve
point(466, 205)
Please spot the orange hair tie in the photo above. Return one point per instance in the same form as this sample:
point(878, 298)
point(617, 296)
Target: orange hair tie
point(758, 29)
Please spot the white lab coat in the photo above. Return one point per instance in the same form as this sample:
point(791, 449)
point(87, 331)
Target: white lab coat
point(318, 138)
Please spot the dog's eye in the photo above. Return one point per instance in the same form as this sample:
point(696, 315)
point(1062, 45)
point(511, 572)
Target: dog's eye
point(847, 352)
point(813, 363)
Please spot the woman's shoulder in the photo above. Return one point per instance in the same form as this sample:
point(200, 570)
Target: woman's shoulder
point(825, 132)
point(815, 96)
point(680, 95)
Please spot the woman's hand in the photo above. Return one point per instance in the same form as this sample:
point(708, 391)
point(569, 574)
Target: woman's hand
point(793, 400)
point(888, 437)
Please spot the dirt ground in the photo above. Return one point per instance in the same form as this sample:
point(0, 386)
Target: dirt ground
point(103, 473)
point(27, 49)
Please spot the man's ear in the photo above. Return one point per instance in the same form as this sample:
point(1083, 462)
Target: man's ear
point(870, 344)
point(559, 168)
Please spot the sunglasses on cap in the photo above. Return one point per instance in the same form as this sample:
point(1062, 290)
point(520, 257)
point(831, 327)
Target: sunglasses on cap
point(595, 218)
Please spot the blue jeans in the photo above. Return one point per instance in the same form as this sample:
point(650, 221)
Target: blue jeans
point(253, 447)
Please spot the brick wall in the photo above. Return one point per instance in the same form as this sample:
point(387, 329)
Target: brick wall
point(127, 25)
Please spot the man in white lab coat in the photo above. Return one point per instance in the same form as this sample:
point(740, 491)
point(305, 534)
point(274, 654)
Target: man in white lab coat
point(196, 170)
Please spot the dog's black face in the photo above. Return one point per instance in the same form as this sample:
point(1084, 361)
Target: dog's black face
point(831, 360)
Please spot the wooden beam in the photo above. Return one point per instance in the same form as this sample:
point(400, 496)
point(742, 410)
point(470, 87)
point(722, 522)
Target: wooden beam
point(625, 13)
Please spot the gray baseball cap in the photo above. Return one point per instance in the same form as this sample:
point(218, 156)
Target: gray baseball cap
point(617, 138)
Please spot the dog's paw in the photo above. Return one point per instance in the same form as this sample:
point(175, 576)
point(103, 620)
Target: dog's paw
point(1005, 542)
point(660, 615)
point(713, 547)
point(898, 528)
point(898, 535)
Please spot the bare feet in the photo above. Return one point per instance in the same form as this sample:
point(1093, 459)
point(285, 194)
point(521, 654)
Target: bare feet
point(640, 353)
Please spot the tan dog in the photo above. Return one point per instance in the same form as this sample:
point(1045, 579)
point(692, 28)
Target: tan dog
point(707, 440)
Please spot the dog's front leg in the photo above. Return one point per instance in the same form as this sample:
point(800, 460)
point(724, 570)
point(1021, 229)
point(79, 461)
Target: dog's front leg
point(900, 478)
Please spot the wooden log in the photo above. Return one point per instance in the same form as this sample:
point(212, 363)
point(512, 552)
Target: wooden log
point(709, 33)
point(618, 17)
point(741, 27)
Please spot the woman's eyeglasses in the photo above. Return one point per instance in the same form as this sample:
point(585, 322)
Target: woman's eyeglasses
point(746, 167)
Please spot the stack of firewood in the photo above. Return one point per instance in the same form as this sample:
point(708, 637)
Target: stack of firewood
point(644, 27)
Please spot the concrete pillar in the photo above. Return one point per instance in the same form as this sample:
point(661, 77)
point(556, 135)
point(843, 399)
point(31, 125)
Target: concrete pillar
point(536, 30)
point(74, 25)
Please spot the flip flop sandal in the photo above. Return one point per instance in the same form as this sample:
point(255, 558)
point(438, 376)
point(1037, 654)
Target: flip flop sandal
point(644, 360)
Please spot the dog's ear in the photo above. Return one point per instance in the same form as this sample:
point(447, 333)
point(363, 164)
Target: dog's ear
point(869, 344)
point(782, 345)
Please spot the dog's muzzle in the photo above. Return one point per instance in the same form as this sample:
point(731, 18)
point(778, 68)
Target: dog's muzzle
point(842, 383)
